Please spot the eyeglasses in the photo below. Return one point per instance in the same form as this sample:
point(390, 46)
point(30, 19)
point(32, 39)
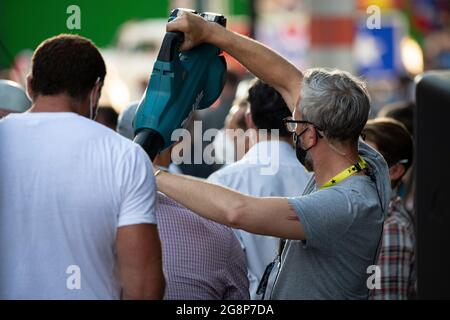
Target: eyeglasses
point(291, 124)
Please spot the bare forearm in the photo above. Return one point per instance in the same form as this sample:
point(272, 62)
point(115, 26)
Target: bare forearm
point(267, 216)
point(263, 62)
point(206, 199)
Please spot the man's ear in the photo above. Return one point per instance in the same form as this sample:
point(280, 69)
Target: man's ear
point(29, 88)
point(396, 171)
point(309, 137)
point(97, 91)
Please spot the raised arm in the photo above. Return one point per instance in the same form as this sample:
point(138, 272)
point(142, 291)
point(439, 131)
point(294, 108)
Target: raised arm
point(263, 62)
point(266, 216)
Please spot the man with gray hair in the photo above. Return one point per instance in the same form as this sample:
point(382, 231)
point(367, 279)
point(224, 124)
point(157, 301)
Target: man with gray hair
point(271, 167)
point(334, 229)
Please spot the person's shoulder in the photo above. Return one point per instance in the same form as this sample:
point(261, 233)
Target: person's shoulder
point(361, 194)
point(239, 169)
point(93, 126)
point(109, 137)
point(358, 187)
point(252, 167)
point(226, 172)
point(362, 200)
point(337, 196)
point(400, 229)
point(88, 128)
point(351, 192)
point(368, 152)
point(164, 200)
point(376, 162)
point(399, 220)
point(215, 230)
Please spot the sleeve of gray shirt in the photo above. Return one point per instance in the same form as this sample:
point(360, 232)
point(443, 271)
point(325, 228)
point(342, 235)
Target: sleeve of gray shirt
point(325, 216)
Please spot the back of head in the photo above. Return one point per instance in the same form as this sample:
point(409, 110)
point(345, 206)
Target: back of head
point(400, 111)
point(392, 140)
point(268, 108)
point(336, 102)
point(66, 64)
point(236, 116)
point(13, 97)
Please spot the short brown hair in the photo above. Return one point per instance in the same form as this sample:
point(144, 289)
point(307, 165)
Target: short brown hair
point(392, 138)
point(66, 64)
point(267, 108)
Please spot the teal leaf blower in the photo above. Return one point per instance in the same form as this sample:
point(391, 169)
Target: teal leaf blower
point(180, 83)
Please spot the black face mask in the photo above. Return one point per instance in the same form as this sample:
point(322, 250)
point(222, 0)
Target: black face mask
point(300, 152)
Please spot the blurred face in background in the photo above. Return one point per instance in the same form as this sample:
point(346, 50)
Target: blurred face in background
point(235, 129)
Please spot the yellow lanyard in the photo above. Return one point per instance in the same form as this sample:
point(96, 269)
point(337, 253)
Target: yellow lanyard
point(346, 173)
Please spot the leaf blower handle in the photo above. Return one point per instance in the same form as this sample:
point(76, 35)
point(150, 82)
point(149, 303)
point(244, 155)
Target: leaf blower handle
point(170, 46)
point(151, 141)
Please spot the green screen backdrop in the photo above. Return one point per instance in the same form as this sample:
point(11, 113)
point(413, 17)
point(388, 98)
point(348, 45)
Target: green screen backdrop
point(26, 23)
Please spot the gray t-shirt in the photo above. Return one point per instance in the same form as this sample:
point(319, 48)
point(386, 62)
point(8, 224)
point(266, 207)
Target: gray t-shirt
point(343, 226)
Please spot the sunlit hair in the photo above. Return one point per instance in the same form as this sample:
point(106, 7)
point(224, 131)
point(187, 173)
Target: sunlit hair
point(335, 101)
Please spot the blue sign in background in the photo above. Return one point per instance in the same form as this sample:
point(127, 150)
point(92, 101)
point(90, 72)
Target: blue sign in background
point(386, 44)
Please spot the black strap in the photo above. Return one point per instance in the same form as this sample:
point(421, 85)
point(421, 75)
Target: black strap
point(265, 279)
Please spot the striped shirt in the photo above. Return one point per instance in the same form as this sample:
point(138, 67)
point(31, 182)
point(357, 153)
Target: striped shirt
point(202, 260)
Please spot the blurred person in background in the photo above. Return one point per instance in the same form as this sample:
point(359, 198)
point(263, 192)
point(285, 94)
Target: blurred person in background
point(202, 260)
point(77, 201)
point(214, 116)
point(13, 98)
point(107, 116)
point(210, 118)
point(267, 111)
point(404, 113)
point(397, 255)
point(437, 43)
point(125, 121)
point(231, 143)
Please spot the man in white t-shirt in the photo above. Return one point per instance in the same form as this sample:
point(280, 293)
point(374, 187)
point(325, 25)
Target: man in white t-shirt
point(77, 200)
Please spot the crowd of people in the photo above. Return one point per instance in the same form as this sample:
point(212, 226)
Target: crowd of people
point(85, 214)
